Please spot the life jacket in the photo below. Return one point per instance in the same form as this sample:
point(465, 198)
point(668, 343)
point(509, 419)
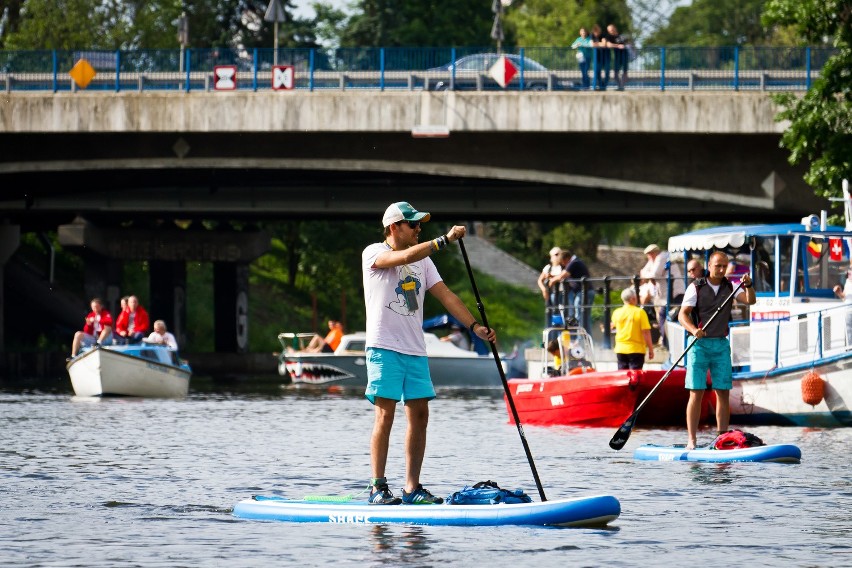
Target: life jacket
point(706, 303)
point(735, 439)
point(487, 493)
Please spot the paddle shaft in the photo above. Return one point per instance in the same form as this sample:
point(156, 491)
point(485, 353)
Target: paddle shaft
point(616, 442)
point(506, 389)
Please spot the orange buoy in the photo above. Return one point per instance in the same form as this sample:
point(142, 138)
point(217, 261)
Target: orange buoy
point(813, 388)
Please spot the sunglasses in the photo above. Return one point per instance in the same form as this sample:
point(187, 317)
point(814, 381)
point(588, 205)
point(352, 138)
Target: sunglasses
point(412, 224)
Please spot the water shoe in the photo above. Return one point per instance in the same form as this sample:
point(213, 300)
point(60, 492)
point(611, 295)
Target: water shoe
point(420, 496)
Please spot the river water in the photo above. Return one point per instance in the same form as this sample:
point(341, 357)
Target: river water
point(119, 482)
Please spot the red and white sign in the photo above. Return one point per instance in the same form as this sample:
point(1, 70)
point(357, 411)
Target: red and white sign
point(283, 77)
point(225, 77)
point(503, 71)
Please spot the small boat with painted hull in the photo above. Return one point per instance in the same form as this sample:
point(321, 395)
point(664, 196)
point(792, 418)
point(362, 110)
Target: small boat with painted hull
point(593, 511)
point(151, 371)
point(449, 366)
point(779, 453)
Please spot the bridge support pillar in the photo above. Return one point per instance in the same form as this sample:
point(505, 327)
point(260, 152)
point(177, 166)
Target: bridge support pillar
point(168, 296)
point(10, 238)
point(103, 277)
point(230, 298)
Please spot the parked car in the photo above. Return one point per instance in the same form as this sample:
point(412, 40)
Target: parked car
point(465, 78)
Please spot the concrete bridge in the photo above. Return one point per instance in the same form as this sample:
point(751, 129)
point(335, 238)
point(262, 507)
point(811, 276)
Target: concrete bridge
point(88, 163)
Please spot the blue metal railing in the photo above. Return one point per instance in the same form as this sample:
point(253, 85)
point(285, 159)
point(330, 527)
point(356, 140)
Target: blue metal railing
point(457, 68)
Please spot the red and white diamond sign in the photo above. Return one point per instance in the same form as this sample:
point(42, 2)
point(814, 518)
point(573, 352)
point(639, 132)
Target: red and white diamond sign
point(283, 77)
point(503, 71)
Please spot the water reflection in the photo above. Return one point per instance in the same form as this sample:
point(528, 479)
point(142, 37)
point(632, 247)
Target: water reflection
point(713, 473)
point(400, 544)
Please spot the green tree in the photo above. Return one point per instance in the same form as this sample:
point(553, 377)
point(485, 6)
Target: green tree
point(820, 131)
point(715, 23)
point(388, 23)
point(556, 22)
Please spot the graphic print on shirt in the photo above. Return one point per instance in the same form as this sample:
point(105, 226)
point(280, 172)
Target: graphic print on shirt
point(406, 303)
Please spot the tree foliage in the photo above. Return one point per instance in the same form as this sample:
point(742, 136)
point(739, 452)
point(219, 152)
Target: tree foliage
point(137, 24)
point(715, 23)
point(426, 23)
point(820, 131)
point(556, 22)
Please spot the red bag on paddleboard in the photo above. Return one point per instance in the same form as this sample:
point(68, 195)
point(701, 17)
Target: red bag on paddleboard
point(736, 439)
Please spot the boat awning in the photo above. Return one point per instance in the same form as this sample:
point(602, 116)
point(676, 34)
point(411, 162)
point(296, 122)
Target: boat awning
point(736, 236)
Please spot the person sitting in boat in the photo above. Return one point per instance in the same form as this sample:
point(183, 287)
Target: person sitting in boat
point(632, 332)
point(711, 350)
point(161, 336)
point(458, 338)
point(132, 323)
point(329, 343)
point(553, 349)
point(96, 330)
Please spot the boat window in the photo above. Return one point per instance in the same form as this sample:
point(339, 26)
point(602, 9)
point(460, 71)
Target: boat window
point(149, 354)
point(821, 271)
point(356, 346)
point(764, 268)
point(175, 359)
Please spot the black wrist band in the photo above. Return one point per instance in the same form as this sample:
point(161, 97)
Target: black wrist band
point(473, 326)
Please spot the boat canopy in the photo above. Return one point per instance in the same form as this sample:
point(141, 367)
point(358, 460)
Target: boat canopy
point(736, 236)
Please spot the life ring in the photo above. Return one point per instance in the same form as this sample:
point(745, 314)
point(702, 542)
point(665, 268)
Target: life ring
point(813, 388)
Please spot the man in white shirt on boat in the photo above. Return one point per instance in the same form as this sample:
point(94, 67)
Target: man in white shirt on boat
point(711, 351)
point(162, 337)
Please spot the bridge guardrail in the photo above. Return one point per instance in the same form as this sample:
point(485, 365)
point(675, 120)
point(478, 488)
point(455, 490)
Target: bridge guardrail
point(651, 68)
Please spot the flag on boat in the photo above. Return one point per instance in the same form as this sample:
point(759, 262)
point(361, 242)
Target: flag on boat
point(835, 249)
point(815, 248)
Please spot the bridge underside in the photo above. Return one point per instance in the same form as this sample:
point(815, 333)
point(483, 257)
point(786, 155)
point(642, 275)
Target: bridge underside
point(110, 178)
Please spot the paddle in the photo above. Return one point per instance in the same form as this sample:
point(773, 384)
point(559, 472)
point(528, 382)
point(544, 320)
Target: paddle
point(502, 374)
point(620, 438)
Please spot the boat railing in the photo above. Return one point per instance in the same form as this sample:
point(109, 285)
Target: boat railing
point(765, 345)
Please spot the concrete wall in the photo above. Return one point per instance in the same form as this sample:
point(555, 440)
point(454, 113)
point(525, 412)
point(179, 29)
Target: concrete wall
point(375, 111)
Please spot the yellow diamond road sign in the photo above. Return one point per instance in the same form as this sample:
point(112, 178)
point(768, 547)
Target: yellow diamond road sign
point(82, 73)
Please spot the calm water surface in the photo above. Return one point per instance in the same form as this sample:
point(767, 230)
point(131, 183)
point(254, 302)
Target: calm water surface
point(119, 482)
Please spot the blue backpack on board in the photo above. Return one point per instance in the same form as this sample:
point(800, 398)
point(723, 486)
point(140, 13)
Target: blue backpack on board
point(487, 493)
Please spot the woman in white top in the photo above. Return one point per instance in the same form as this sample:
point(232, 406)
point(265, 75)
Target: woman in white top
point(547, 279)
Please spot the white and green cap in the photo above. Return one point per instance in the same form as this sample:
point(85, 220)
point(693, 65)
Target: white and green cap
point(403, 211)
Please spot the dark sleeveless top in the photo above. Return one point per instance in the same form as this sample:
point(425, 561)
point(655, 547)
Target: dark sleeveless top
point(708, 301)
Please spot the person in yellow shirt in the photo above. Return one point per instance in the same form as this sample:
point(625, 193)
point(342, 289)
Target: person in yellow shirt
point(632, 332)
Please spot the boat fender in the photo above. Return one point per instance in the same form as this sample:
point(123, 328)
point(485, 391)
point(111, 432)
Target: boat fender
point(813, 388)
point(487, 493)
point(735, 439)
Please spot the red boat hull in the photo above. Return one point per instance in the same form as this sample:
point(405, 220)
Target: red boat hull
point(605, 399)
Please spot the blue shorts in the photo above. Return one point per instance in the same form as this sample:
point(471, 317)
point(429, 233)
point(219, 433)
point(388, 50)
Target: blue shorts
point(709, 354)
point(397, 376)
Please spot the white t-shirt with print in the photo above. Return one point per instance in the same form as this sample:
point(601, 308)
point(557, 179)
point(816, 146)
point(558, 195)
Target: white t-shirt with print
point(390, 322)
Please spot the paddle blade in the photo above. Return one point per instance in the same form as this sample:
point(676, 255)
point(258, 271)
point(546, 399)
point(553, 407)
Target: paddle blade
point(623, 433)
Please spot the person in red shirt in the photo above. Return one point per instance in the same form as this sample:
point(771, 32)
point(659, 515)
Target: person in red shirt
point(132, 324)
point(97, 329)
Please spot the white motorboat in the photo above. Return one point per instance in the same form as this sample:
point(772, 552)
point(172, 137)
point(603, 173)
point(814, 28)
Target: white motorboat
point(144, 370)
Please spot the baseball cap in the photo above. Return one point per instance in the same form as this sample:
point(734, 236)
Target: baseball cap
point(403, 211)
point(651, 248)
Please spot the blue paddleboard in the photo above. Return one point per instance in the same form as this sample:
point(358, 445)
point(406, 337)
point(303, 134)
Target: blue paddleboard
point(780, 453)
point(577, 512)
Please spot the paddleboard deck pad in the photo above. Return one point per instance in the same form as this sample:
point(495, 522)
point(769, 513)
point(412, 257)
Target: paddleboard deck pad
point(780, 453)
point(591, 511)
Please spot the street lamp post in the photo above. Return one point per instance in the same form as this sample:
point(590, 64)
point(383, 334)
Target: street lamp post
point(183, 37)
point(275, 14)
point(497, 28)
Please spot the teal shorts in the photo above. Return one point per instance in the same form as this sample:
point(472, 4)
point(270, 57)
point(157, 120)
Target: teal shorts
point(709, 354)
point(397, 376)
